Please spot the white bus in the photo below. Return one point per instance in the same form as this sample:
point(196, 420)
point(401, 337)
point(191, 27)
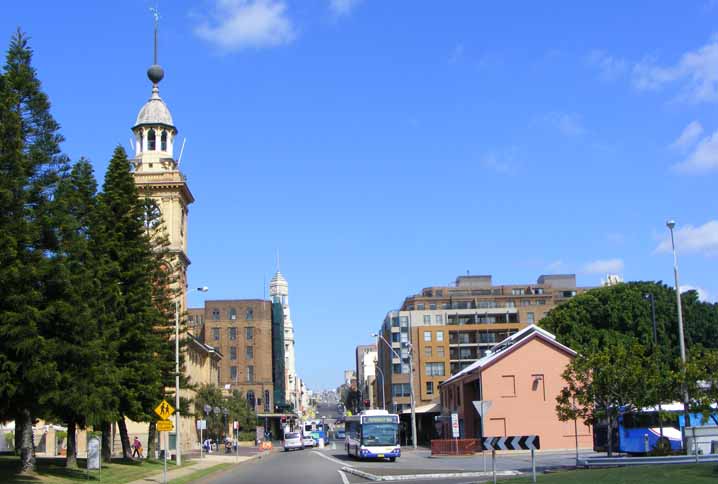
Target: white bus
point(372, 434)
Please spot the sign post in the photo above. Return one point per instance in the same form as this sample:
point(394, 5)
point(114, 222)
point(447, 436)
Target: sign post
point(164, 410)
point(482, 406)
point(201, 425)
point(513, 442)
point(455, 430)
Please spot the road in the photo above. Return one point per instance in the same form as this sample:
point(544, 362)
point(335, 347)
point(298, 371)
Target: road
point(324, 467)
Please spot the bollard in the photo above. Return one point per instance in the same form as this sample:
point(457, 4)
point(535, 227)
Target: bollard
point(493, 464)
point(533, 465)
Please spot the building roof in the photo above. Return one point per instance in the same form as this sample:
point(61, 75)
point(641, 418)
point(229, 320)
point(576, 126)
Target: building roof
point(278, 278)
point(154, 111)
point(507, 346)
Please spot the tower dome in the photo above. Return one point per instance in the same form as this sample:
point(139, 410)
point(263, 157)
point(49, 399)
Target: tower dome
point(154, 112)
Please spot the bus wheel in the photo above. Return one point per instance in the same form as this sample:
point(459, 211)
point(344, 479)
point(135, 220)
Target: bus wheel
point(392, 459)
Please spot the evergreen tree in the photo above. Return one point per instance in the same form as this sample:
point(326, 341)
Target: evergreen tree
point(31, 167)
point(130, 263)
point(83, 396)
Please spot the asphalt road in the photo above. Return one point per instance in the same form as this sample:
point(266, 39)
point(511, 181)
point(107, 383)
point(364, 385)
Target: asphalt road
point(317, 467)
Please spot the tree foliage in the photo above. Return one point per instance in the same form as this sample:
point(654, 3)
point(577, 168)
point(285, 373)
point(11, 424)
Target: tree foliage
point(217, 423)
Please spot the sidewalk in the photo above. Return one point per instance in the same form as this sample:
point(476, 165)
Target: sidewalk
point(208, 461)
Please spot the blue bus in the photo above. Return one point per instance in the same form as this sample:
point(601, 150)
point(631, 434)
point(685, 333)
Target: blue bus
point(635, 430)
point(372, 434)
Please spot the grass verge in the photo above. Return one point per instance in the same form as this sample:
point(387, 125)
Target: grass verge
point(53, 471)
point(200, 474)
point(653, 474)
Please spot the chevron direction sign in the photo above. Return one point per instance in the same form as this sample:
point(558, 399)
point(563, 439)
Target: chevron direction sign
point(514, 442)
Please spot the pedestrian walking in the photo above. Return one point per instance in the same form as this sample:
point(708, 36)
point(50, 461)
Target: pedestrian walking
point(137, 448)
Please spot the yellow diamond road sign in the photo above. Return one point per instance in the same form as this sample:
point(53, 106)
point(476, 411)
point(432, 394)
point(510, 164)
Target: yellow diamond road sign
point(164, 410)
point(165, 426)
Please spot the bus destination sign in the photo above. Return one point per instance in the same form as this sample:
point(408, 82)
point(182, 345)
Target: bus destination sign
point(380, 419)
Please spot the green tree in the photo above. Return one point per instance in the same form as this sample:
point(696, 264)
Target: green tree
point(217, 423)
point(31, 166)
point(613, 378)
point(76, 340)
point(128, 253)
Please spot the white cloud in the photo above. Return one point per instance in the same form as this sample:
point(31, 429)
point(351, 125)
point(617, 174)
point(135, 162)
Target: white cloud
point(703, 158)
point(609, 67)
point(238, 24)
point(689, 135)
point(703, 295)
point(690, 239)
point(343, 7)
point(568, 124)
point(604, 266)
point(696, 72)
point(555, 265)
point(502, 163)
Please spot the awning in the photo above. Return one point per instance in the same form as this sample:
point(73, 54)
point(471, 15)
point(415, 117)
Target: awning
point(429, 408)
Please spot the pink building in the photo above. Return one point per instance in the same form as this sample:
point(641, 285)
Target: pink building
point(521, 376)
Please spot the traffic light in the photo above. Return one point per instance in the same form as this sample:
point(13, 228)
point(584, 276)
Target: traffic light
point(366, 403)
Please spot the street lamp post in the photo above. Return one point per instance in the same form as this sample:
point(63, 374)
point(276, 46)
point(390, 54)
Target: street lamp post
point(383, 382)
point(671, 224)
point(178, 441)
point(651, 298)
point(411, 383)
point(207, 409)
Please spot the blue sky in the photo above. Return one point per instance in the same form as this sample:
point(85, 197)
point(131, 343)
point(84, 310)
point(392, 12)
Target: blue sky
point(383, 147)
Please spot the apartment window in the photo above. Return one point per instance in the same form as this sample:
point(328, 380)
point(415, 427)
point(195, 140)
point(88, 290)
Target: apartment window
point(420, 307)
point(250, 399)
point(439, 336)
point(249, 333)
point(430, 388)
point(427, 335)
point(249, 352)
point(439, 351)
point(445, 306)
point(250, 374)
point(266, 400)
point(400, 390)
point(427, 319)
point(439, 293)
point(530, 318)
point(215, 334)
point(405, 368)
point(232, 333)
point(517, 292)
point(395, 322)
point(215, 314)
point(395, 337)
point(404, 337)
point(525, 302)
point(434, 369)
point(233, 372)
point(404, 321)
point(232, 352)
point(249, 314)
point(432, 306)
point(396, 368)
point(439, 319)
point(427, 351)
point(231, 314)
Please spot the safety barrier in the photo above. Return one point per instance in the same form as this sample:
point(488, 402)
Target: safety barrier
point(455, 446)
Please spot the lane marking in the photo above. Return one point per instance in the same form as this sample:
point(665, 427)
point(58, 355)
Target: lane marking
point(329, 457)
point(344, 477)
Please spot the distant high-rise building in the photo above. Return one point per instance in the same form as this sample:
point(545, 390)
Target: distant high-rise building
point(450, 327)
point(279, 293)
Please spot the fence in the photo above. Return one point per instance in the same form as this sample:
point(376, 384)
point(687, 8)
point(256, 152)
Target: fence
point(455, 446)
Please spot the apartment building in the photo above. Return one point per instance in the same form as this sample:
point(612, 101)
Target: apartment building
point(241, 329)
point(365, 358)
point(446, 328)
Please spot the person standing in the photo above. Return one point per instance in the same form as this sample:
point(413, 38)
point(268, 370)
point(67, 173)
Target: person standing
point(136, 446)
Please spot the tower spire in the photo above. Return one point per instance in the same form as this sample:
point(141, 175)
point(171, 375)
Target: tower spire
point(277, 260)
point(155, 73)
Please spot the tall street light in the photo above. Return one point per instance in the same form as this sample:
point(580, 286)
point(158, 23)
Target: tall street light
point(411, 382)
point(383, 382)
point(178, 440)
point(671, 224)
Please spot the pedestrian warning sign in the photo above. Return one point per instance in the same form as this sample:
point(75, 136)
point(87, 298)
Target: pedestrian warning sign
point(164, 410)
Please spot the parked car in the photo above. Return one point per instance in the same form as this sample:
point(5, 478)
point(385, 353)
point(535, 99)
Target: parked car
point(292, 441)
point(339, 434)
point(308, 441)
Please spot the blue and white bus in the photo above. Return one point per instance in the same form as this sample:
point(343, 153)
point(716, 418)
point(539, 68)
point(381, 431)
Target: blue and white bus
point(636, 429)
point(372, 434)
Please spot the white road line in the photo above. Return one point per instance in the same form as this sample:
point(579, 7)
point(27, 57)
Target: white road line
point(344, 477)
point(336, 461)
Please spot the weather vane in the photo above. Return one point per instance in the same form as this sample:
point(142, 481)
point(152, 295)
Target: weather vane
point(156, 14)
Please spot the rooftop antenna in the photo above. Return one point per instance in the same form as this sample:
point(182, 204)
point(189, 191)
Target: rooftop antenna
point(277, 260)
point(179, 160)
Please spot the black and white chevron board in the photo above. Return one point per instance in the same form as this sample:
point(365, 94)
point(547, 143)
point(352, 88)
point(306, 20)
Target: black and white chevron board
point(513, 442)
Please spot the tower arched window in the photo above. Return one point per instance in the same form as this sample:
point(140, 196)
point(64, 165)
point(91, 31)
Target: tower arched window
point(250, 399)
point(163, 140)
point(151, 140)
point(250, 314)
